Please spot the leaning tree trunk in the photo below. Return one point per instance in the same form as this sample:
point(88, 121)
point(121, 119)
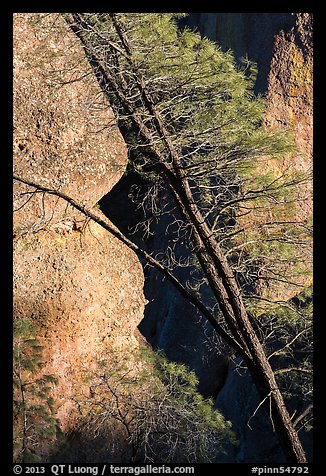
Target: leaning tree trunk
point(211, 257)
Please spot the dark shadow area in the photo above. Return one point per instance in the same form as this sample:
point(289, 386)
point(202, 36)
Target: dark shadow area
point(79, 447)
point(246, 34)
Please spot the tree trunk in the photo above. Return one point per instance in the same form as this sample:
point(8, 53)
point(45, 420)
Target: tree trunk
point(211, 257)
point(265, 383)
point(231, 304)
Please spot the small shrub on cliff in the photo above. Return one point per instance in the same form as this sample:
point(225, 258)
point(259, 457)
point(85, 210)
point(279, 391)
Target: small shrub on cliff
point(34, 423)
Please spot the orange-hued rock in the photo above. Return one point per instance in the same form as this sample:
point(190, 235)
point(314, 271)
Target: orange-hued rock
point(65, 136)
point(83, 289)
point(290, 97)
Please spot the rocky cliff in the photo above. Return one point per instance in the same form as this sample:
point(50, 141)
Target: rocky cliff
point(64, 135)
point(79, 285)
point(281, 45)
point(290, 95)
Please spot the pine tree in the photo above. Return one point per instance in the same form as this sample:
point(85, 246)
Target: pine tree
point(195, 124)
point(154, 414)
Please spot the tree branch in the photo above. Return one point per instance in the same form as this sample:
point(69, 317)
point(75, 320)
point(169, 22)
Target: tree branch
point(288, 344)
point(152, 261)
point(303, 415)
point(293, 369)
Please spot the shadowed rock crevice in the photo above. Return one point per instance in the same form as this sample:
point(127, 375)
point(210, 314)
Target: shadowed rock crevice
point(169, 322)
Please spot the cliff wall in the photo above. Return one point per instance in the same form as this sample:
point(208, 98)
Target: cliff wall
point(80, 286)
point(249, 35)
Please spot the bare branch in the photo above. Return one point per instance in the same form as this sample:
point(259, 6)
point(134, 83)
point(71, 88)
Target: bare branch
point(306, 412)
point(288, 344)
point(162, 269)
point(293, 369)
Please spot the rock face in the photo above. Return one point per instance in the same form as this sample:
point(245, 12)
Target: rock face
point(246, 34)
point(80, 286)
point(83, 289)
point(290, 95)
point(64, 133)
point(281, 45)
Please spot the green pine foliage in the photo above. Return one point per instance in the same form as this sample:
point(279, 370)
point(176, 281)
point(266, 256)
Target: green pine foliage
point(199, 91)
point(215, 124)
point(192, 410)
point(152, 414)
point(34, 424)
